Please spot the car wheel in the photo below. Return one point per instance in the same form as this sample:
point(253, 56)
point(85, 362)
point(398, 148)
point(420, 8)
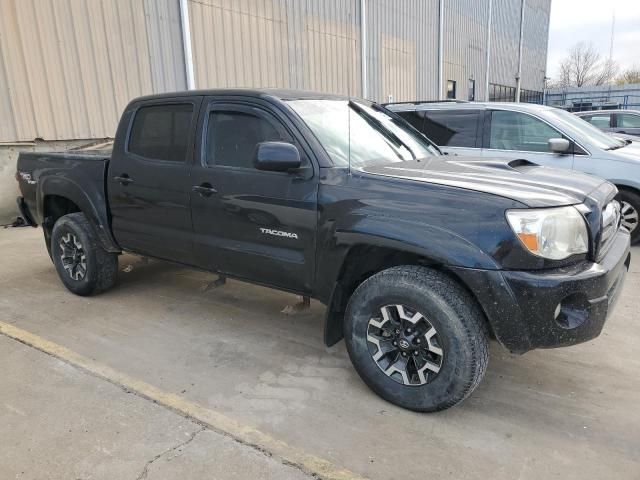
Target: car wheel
point(84, 267)
point(416, 338)
point(630, 211)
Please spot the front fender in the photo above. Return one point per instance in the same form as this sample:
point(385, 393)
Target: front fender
point(436, 244)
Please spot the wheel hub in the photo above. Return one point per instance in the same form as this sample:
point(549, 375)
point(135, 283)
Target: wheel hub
point(74, 259)
point(405, 345)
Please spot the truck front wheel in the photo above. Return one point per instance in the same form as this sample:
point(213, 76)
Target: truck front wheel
point(84, 267)
point(416, 338)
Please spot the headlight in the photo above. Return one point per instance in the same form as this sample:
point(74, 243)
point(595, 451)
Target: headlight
point(553, 233)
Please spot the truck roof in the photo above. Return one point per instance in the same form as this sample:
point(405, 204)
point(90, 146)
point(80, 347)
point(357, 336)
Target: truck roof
point(281, 94)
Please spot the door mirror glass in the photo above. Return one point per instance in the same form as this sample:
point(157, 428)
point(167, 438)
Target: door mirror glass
point(559, 145)
point(277, 157)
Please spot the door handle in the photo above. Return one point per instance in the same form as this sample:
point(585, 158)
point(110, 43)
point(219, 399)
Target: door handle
point(124, 179)
point(204, 189)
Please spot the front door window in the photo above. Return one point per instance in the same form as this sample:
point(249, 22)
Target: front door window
point(520, 131)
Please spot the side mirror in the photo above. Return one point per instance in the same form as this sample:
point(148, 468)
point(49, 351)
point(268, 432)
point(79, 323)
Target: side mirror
point(276, 157)
point(559, 145)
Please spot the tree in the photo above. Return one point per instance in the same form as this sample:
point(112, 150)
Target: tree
point(583, 66)
point(629, 76)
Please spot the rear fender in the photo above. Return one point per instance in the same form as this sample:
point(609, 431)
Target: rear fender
point(84, 192)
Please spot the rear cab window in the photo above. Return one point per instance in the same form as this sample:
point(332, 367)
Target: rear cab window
point(161, 132)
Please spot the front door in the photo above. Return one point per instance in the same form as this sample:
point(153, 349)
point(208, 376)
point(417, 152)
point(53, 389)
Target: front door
point(518, 135)
point(252, 224)
point(149, 179)
point(628, 123)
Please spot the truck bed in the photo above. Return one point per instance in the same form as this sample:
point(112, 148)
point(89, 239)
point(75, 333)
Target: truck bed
point(41, 174)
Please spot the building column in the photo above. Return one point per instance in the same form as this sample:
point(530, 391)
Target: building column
point(186, 44)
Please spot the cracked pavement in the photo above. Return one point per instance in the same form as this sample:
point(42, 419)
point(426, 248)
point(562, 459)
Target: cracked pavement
point(59, 422)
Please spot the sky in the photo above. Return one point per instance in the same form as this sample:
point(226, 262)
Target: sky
point(573, 21)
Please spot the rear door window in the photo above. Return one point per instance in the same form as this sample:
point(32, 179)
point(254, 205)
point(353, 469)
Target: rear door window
point(161, 132)
point(453, 128)
point(520, 131)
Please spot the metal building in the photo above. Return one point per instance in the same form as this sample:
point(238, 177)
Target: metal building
point(68, 67)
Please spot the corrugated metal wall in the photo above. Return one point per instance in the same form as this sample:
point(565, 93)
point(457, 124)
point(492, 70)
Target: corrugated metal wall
point(535, 35)
point(402, 49)
point(277, 43)
point(505, 34)
point(67, 67)
point(465, 45)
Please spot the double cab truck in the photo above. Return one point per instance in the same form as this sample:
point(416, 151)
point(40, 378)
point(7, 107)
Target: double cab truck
point(420, 258)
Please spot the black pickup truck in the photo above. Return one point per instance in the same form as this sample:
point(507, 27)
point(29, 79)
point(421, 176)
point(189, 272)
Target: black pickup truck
point(419, 257)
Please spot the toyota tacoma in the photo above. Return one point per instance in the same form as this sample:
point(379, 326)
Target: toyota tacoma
point(420, 258)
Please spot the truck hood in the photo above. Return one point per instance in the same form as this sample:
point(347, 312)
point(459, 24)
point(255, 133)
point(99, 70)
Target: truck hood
point(519, 180)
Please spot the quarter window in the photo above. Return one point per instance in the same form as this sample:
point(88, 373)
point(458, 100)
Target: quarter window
point(452, 128)
point(519, 131)
point(232, 137)
point(628, 120)
point(161, 132)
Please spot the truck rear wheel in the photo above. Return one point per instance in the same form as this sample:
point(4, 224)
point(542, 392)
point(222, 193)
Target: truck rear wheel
point(84, 267)
point(416, 338)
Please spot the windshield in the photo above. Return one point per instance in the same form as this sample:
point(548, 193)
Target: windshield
point(596, 136)
point(376, 137)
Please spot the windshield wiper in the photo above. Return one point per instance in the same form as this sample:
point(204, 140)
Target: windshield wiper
point(379, 126)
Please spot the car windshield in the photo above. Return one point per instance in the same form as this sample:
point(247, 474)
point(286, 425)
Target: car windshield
point(361, 134)
point(582, 127)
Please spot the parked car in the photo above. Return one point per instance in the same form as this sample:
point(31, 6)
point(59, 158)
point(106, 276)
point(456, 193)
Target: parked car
point(540, 134)
point(614, 121)
point(418, 257)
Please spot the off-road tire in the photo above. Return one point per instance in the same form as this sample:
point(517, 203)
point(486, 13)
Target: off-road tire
point(460, 324)
point(633, 199)
point(101, 266)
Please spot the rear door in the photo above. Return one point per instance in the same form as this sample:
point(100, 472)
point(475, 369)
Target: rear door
point(628, 123)
point(457, 132)
point(252, 224)
point(149, 178)
point(519, 135)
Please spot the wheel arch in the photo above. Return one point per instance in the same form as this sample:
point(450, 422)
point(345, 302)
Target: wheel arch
point(354, 271)
point(61, 195)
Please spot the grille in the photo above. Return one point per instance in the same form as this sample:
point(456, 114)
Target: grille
point(610, 225)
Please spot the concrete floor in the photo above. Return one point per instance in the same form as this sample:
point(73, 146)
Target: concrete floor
point(569, 413)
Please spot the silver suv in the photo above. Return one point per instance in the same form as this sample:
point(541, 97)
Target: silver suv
point(540, 134)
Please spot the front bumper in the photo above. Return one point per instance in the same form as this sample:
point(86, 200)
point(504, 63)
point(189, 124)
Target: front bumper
point(551, 308)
